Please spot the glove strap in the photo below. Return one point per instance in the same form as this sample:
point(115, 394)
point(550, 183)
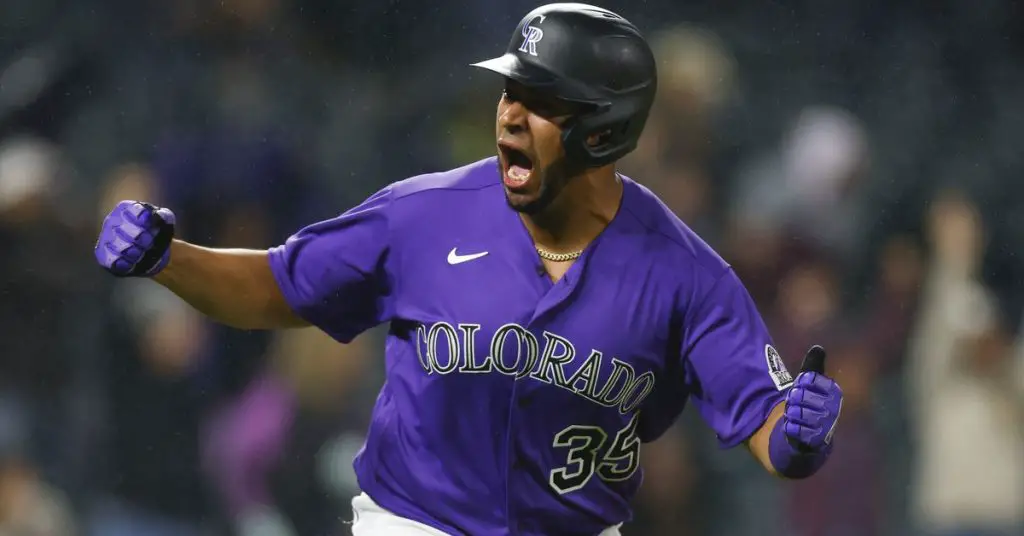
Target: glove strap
point(161, 243)
point(791, 459)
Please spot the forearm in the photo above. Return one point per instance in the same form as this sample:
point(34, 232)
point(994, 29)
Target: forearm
point(231, 286)
point(759, 443)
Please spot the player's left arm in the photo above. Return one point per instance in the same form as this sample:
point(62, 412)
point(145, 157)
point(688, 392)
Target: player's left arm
point(759, 444)
point(743, 390)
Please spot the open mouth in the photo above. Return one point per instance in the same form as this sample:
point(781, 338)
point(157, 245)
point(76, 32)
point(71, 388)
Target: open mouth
point(518, 166)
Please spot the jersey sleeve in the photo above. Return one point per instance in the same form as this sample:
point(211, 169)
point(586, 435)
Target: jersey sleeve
point(734, 374)
point(336, 273)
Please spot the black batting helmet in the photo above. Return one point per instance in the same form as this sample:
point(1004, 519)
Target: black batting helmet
point(589, 55)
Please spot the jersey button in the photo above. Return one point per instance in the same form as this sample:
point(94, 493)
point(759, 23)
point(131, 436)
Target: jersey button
point(525, 401)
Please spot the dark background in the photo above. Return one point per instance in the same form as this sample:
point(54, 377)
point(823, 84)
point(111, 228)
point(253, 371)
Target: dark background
point(843, 155)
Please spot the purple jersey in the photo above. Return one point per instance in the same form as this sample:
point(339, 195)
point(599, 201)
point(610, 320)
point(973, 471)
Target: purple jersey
point(514, 405)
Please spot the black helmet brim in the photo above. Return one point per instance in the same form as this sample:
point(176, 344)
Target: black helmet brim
point(510, 66)
point(534, 76)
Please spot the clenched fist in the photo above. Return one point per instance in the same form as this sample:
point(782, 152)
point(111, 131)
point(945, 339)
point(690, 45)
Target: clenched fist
point(135, 240)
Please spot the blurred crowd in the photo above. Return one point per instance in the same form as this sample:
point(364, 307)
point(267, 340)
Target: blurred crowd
point(857, 161)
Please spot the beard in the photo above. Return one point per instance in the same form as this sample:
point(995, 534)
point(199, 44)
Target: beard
point(553, 180)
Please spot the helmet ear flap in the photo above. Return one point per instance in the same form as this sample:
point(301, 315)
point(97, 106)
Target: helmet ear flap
point(616, 130)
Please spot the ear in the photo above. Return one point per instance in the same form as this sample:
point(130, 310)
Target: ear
point(597, 139)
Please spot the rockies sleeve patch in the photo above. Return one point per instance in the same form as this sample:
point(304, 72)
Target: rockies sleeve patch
point(776, 368)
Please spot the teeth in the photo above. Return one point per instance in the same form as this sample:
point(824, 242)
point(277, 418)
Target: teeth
point(519, 174)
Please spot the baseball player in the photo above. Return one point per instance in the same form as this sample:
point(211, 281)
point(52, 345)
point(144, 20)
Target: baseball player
point(547, 315)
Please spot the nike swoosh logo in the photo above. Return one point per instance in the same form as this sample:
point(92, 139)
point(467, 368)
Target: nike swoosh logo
point(454, 258)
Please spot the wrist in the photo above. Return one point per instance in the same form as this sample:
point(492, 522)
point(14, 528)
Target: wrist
point(177, 252)
point(790, 461)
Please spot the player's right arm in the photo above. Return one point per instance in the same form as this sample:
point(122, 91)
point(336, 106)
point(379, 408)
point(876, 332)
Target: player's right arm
point(232, 286)
point(333, 274)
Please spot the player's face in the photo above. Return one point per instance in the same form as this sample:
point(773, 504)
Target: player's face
point(531, 157)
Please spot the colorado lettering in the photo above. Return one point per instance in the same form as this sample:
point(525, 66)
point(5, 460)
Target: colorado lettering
point(443, 348)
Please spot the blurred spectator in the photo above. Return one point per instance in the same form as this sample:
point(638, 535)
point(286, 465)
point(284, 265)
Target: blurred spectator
point(807, 193)
point(38, 293)
point(230, 169)
point(263, 448)
point(148, 479)
point(666, 502)
point(335, 387)
point(891, 309)
point(844, 499)
point(28, 505)
point(965, 401)
point(808, 311)
point(885, 323)
point(678, 153)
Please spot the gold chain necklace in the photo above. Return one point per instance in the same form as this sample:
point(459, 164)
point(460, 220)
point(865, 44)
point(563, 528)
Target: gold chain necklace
point(558, 257)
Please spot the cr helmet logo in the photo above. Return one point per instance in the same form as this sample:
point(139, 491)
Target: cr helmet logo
point(531, 36)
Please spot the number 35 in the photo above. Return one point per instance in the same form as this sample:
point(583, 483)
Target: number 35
point(584, 443)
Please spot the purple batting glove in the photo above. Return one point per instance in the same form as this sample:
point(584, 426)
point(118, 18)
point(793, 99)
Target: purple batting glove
point(135, 240)
point(813, 405)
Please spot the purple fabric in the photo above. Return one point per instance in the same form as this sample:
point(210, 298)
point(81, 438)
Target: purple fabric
point(334, 273)
point(511, 403)
point(728, 349)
